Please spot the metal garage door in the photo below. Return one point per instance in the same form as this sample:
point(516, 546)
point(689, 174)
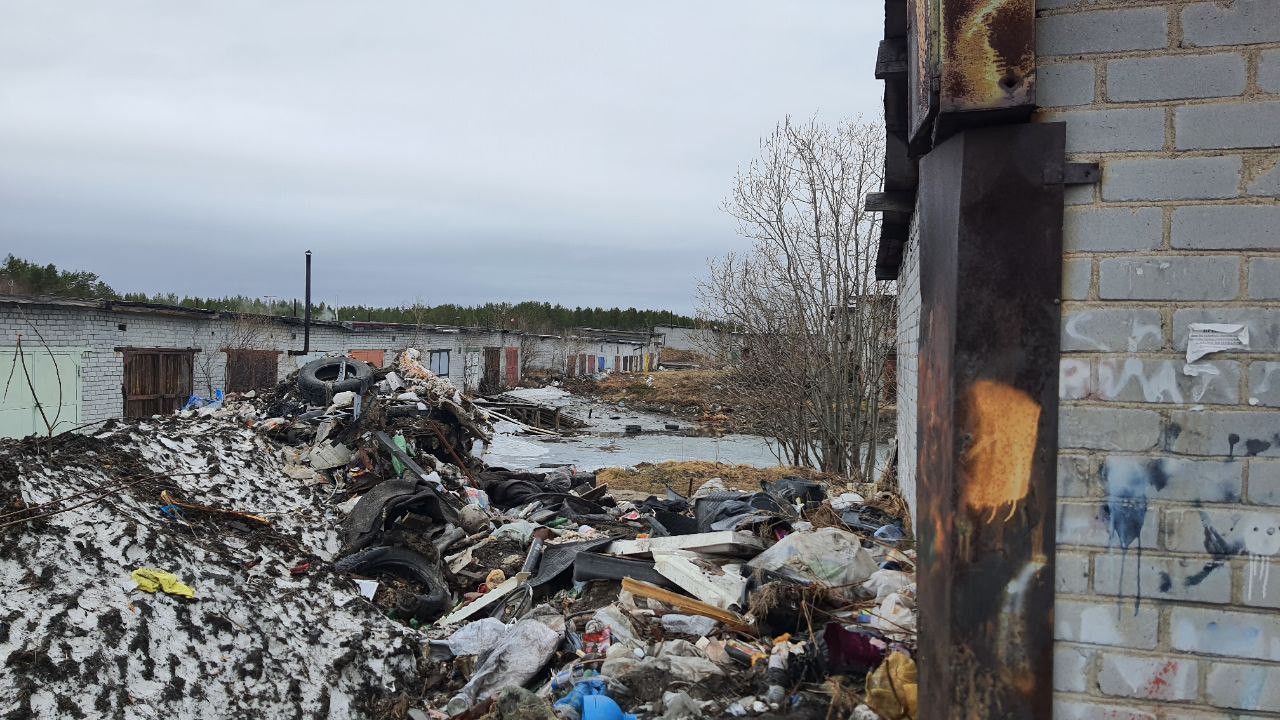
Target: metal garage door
point(19, 415)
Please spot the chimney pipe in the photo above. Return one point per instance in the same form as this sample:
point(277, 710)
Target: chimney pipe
point(306, 323)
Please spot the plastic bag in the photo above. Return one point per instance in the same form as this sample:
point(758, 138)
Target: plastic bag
point(884, 582)
point(892, 689)
point(688, 624)
point(514, 660)
point(474, 638)
point(828, 555)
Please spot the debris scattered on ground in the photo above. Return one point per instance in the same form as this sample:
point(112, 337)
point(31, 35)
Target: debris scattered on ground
point(333, 548)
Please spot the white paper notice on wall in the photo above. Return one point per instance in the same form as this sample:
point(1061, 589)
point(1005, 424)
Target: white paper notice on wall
point(1205, 338)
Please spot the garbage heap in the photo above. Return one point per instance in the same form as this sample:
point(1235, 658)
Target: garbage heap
point(335, 548)
point(779, 600)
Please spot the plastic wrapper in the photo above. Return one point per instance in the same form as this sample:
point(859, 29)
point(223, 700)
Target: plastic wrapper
point(830, 556)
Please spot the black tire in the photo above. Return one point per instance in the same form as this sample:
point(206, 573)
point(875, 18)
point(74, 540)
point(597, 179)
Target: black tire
point(407, 564)
point(318, 379)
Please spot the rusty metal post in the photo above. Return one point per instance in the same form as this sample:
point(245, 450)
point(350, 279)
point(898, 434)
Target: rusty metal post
point(990, 222)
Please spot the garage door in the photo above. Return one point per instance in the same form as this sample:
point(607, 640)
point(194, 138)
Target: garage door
point(373, 357)
point(251, 369)
point(156, 381)
point(19, 415)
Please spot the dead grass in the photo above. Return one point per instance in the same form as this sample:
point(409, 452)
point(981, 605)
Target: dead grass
point(692, 394)
point(682, 356)
point(681, 388)
point(679, 476)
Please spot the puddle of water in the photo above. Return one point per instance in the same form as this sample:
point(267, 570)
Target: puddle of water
point(604, 444)
point(591, 452)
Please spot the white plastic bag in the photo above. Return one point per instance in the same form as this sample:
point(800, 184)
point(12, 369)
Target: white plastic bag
point(473, 638)
point(833, 557)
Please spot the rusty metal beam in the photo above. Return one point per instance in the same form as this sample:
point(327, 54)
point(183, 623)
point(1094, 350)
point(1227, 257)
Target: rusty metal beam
point(990, 224)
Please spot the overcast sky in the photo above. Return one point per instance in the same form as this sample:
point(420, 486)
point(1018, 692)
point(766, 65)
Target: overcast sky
point(575, 152)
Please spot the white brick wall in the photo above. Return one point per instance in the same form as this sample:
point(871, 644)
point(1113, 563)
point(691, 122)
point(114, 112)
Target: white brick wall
point(99, 332)
point(908, 348)
point(1168, 528)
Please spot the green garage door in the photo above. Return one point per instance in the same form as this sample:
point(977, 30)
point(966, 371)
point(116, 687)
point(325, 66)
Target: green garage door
point(19, 415)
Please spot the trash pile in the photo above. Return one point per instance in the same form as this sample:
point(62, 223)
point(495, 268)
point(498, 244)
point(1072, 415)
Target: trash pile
point(333, 548)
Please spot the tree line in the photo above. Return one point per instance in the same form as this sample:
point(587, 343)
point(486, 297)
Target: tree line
point(22, 277)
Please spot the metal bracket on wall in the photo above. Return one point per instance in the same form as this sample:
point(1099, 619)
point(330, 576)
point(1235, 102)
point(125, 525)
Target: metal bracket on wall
point(1073, 174)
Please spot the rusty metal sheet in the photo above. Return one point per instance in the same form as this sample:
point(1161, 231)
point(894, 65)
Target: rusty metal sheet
point(990, 272)
point(922, 68)
point(987, 55)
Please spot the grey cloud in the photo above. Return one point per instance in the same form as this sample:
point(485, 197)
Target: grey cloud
point(569, 151)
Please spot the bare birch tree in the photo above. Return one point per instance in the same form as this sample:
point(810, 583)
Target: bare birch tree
point(815, 323)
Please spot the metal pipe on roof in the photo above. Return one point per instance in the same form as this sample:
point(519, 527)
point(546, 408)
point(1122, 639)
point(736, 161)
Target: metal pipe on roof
point(306, 322)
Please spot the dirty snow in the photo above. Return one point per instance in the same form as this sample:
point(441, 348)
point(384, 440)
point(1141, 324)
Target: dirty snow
point(77, 639)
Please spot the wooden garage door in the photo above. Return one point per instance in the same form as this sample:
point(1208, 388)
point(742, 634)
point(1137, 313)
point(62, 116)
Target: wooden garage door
point(513, 366)
point(252, 369)
point(492, 370)
point(156, 381)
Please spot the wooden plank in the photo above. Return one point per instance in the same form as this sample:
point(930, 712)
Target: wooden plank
point(898, 201)
point(729, 619)
point(891, 58)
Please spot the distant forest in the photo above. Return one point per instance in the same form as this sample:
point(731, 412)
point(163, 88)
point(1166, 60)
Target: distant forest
point(21, 277)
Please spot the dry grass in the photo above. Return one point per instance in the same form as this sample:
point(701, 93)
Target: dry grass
point(680, 388)
point(695, 395)
point(680, 475)
point(682, 356)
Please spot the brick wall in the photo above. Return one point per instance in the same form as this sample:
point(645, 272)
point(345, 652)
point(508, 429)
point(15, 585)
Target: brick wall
point(1169, 478)
point(908, 351)
point(98, 332)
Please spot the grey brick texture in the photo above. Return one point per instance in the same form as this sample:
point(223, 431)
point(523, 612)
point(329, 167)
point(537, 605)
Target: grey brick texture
point(1065, 84)
point(1240, 22)
point(1176, 77)
point(1111, 330)
point(1168, 472)
point(1269, 71)
point(1226, 227)
point(1112, 229)
point(1169, 278)
point(1103, 31)
point(1192, 178)
point(1112, 130)
point(1077, 277)
point(1227, 125)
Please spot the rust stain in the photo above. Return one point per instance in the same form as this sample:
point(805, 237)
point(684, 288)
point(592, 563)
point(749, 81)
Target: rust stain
point(988, 53)
point(1002, 422)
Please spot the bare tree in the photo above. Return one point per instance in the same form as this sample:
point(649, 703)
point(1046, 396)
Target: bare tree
point(20, 357)
point(240, 331)
point(813, 321)
point(530, 353)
